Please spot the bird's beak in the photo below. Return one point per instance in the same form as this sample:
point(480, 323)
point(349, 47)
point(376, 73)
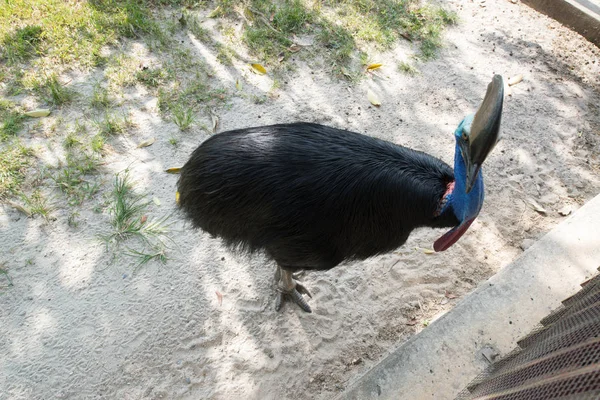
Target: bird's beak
point(484, 130)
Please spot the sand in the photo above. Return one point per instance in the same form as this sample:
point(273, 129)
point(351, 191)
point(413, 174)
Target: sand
point(77, 326)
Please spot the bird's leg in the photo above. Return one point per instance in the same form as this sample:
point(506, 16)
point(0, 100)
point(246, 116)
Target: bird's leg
point(288, 288)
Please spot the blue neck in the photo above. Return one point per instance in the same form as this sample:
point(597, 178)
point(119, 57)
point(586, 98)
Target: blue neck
point(465, 206)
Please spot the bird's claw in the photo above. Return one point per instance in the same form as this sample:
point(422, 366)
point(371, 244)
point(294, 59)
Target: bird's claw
point(295, 295)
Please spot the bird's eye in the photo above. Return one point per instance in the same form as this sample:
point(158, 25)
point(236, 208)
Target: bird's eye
point(465, 136)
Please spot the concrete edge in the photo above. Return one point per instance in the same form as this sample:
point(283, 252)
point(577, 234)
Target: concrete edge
point(441, 361)
point(582, 16)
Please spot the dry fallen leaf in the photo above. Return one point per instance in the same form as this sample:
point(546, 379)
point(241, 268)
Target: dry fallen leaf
point(372, 67)
point(373, 98)
point(412, 322)
point(20, 208)
point(295, 48)
point(259, 69)
point(425, 251)
point(238, 84)
point(146, 143)
point(156, 200)
point(513, 80)
point(450, 295)
point(219, 296)
point(144, 219)
point(40, 112)
point(535, 205)
point(215, 122)
point(215, 12)
point(174, 170)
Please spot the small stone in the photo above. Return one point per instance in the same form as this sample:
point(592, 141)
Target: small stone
point(527, 243)
point(489, 354)
point(566, 210)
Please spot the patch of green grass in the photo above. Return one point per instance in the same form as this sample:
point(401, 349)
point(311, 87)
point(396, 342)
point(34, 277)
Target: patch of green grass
point(22, 43)
point(97, 143)
point(113, 125)
point(152, 77)
point(36, 203)
point(338, 41)
point(53, 92)
point(73, 219)
point(71, 140)
point(4, 273)
point(122, 71)
point(12, 120)
point(100, 98)
point(67, 33)
point(383, 22)
point(144, 257)
point(407, 68)
point(14, 160)
point(224, 54)
point(129, 220)
point(74, 180)
point(259, 99)
point(80, 128)
point(183, 117)
point(271, 25)
point(14, 86)
point(193, 24)
point(342, 26)
point(190, 94)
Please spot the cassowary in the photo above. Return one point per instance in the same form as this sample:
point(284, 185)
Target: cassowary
point(312, 196)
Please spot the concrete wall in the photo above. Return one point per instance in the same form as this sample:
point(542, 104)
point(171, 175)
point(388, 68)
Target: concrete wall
point(583, 16)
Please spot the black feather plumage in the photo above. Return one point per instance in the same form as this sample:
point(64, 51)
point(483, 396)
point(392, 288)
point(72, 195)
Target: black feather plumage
point(311, 196)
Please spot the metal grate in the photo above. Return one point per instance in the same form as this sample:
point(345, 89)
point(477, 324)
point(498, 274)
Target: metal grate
point(560, 359)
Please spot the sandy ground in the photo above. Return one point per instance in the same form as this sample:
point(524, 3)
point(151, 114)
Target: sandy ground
point(75, 325)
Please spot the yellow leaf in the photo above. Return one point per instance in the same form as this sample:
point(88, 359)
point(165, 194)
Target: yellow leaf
point(372, 67)
point(40, 112)
point(146, 143)
point(174, 170)
point(425, 251)
point(238, 84)
point(373, 98)
point(259, 69)
point(513, 80)
point(177, 197)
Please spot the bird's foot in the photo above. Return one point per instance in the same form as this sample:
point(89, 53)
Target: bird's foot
point(290, 289)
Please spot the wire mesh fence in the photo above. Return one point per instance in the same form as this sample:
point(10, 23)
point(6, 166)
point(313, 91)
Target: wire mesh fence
point(559, 359)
